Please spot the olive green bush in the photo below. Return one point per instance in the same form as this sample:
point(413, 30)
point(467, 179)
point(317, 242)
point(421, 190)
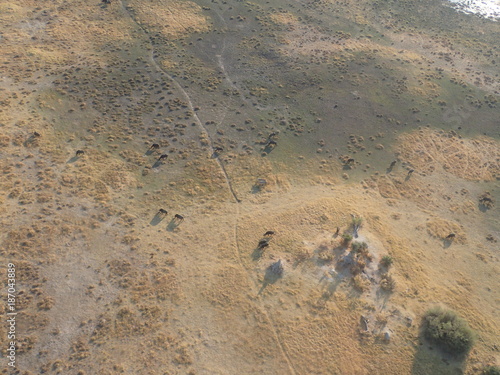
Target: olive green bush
point(447, 330)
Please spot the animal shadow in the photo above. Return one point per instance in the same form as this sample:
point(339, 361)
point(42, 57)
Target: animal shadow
point(31, 141)
point(72, 160)
point(173, 224)
point(157, 219)
point(257, 253)
point(269, 148)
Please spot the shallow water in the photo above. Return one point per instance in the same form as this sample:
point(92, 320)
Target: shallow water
point(485, 8)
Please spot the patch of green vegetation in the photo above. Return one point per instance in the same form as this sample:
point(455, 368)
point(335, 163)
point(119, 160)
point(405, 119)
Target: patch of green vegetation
point(359, 247)
point(447, 330)
point(346, 239)
point(357, 221)
point(387, 261)
point(491, 370)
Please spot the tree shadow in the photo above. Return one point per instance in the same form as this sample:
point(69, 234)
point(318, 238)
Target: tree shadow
point(383, 296)
point(329, 285)
point(429, 359)
point(269, 278)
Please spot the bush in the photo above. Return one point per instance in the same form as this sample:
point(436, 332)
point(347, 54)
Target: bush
point(346, 238)
point(357, 221)
point(387, 283)
point(386, 261)
point(450, 332)
point(359, 247)
point(491, 370)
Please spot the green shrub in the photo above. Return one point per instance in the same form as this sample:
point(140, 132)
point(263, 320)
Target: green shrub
point(491, 370)
point(450, 332)
point(386, 261)
point(346, 238)
point(357, 221)
point(359, 247)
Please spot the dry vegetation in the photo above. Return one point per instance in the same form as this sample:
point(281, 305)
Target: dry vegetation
point(107, 285)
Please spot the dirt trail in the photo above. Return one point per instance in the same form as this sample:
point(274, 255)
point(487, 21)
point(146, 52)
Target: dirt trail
point(229, 185)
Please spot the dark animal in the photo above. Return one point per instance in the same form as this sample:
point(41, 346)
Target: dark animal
point(264, 240)
point(178, 218)
point(163, 157)
point(36, 134)
point(350, 161)
point(106, 1)
point(80, 152)
point(269, 233)
point(263, 245)
point(411, 171)
point(154, 146)
point(161, 211)
point(450, 236)
point(272, 135)
point(337, 231)
point(393, 164)
point(218, 149)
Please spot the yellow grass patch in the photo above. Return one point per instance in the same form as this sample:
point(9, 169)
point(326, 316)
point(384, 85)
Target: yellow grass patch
point(285, 18)
point(472, 159)
point(173, 19)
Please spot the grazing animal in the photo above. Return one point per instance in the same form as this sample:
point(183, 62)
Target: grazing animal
point(161, 211)
point(36, 134)
point(271, 144)
point(411, 171)
point(272, 135)
point(163, 157)
point(106, 1)
point(154, 146)
point(450, 236)
point(263, 245)
point(350, 161)
point(264, 242)
point(269, 233)
point(178, 218)
point(337, 231)
point(80, 152)
point(393, 164)
point(218, 149)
